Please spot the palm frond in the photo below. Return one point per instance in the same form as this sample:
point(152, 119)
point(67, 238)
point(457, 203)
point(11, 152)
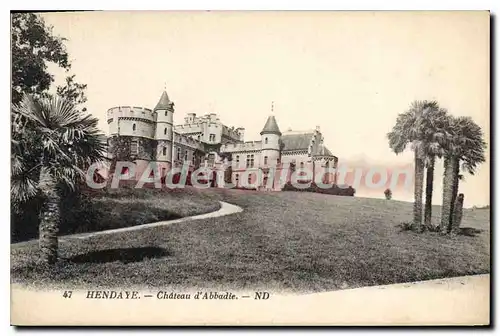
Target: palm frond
point(419, 126)
point(464, 140)
point(58, 136)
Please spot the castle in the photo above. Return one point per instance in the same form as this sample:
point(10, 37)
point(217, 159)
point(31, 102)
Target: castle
point(143, 135)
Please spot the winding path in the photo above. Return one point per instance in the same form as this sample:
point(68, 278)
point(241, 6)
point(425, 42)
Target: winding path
point(225, 209)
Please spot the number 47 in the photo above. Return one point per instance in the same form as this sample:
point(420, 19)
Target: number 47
point(67, 294)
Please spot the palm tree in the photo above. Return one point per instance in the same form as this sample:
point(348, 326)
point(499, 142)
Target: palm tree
point(62, 143)
point(464, 146)
point(434, 140)
point(414, 127)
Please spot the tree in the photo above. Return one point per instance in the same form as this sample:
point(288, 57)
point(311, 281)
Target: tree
point(464, 148)
point(66, 142)
point(412, 128)
point(73, 91)
point(433, 141)
point(388, 194)
point(34, 47)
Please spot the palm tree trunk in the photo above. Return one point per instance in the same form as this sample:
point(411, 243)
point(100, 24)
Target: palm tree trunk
point(419, 184)
point(456, 173)
point(457, 214)
point(428, 193)
point(49, 217)
point(449, 163)
point(314, 173)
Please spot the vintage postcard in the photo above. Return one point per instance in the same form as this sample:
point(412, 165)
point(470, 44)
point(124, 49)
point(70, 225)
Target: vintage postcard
point(260, 168)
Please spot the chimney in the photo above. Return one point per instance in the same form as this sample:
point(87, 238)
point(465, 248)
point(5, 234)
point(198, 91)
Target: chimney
point(241, 132)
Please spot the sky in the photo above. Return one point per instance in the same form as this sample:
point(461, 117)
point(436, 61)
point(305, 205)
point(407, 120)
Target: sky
point(350, 73)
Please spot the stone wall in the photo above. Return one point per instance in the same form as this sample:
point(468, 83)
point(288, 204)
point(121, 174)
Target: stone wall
point(119, 148)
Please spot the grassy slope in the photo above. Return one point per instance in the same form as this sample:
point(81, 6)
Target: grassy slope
point(282, 241)
point(125, 207)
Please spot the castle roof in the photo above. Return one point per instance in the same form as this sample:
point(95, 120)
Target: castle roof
point(296, 141)
point(327, 152)
point(164, 102)
point(271, 127)
point(300, 141)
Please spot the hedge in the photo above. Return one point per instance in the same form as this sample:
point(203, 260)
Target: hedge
point(332, 190)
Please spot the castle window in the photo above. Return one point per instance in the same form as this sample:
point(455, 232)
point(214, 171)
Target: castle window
point(134, 147)
point(133, 127)
point(164, 150)
point(165, 131)
point(211, 137)
point(166, 113)
point(265, 160)
point(178, 153)
point(302, 165)
point(250, 161)
point(199, 137)
point(185, 155)
point(249, 178)
point(237, 159)
point(236, 178)
point(265, 140)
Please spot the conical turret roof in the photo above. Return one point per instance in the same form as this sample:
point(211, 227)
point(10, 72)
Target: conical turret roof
point(164, 102)
point(271, 127)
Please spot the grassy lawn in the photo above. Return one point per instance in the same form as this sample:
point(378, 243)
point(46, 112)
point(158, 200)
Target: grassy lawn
point(283, 241)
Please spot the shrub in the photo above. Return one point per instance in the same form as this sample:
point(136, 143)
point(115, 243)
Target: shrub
point(25, 220)
point(332, 190)
point(388, 194)
point(405, 226)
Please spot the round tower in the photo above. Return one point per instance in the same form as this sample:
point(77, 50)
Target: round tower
point(164, 112)
point(271, 139)
point(131, 131)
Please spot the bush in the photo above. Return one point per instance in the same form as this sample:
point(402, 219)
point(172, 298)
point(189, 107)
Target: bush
point(25, 219)
point(244, 188)
point(405, 226)
point(388, 194)
point(332, 190)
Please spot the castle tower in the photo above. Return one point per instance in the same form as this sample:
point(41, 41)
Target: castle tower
point(270, 136)
point(131, 138)
point(164, 132)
